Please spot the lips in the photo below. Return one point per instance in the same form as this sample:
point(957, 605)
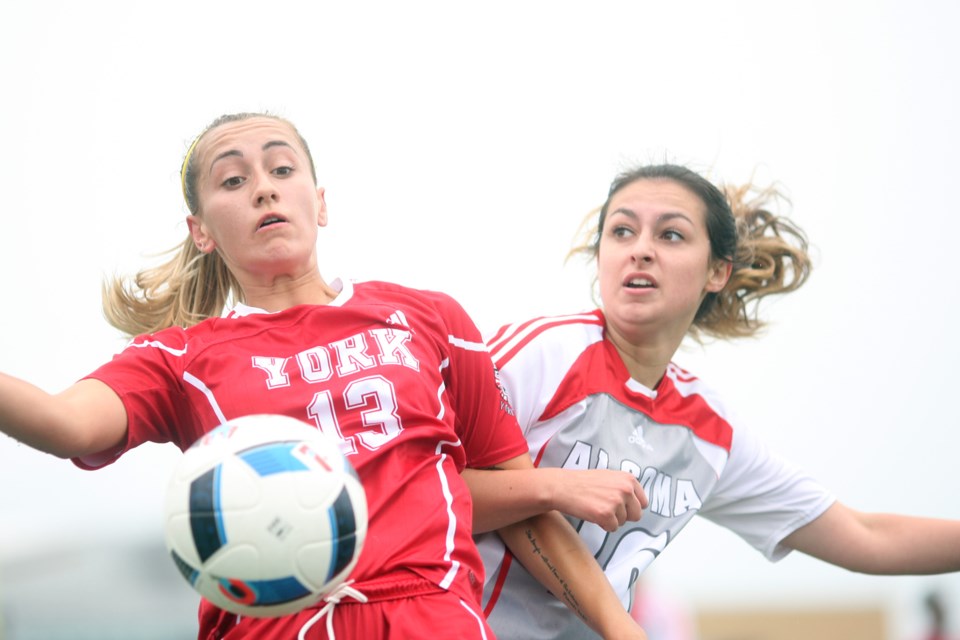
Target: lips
point(270, 219)
point(640, 281)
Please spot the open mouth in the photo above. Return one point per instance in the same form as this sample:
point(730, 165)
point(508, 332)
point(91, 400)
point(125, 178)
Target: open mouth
point(640, 283)
point(270, 220)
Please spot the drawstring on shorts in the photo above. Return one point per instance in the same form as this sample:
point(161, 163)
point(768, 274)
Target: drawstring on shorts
point(332, 600)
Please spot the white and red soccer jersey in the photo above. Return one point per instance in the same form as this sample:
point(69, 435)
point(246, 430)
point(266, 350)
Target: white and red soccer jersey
point(579, 409)
point(400, 376)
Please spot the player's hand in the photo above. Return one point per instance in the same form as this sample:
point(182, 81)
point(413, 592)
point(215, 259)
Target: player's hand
point(602, 496)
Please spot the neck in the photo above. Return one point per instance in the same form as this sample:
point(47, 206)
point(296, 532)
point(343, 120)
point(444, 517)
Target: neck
point(285, 294)
point(646, 360)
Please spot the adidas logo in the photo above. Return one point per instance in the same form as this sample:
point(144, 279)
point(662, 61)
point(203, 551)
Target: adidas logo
point(636, 438)
point(397, 317)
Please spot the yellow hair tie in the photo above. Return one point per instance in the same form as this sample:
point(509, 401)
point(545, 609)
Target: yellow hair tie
point(183, 169)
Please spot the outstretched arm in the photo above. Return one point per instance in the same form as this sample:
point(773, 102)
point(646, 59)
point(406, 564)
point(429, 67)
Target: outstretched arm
point(87, 417)
point(505, 496)
point(880, 543)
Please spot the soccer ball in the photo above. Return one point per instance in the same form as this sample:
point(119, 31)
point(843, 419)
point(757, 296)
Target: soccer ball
point(265, 516)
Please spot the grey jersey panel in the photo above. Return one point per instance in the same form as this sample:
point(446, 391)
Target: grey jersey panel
point(610, 435)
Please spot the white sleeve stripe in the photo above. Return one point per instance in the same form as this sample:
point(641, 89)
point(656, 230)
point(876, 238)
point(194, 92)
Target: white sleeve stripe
point(442, 388)
point(196, 382)
point(512, 339)
point(159, 345)
point(466, 344)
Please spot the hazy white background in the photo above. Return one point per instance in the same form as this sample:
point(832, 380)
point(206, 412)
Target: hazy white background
point(460, 145)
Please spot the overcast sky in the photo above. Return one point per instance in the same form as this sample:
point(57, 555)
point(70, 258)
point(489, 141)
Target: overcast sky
point(460, 145)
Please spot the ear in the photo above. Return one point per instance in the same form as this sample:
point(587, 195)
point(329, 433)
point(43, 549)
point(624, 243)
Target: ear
point(201, 237)
point(718, 275)
point(321, 208)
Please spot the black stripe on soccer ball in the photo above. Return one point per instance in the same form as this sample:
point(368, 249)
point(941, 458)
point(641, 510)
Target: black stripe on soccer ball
point(185, 569)
point(345, 534)
point(205, 514)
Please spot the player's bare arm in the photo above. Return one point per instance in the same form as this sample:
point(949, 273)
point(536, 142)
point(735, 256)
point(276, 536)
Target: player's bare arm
point(553, 552)
point(87, 417)
point(503, 496)
point(549, 548)
point(880, 543)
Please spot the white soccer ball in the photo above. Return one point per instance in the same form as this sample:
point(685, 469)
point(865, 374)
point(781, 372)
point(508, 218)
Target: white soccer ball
point(265, 516)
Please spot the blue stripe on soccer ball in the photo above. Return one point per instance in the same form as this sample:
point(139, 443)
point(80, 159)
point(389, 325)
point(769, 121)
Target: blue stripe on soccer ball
point(275, 457)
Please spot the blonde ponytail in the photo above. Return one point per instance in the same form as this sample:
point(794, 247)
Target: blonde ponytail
point(189, 287)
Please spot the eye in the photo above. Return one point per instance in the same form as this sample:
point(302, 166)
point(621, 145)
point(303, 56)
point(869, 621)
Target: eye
point(672, 235)
point(283, 171)
point(621, 231)
point(233, 181)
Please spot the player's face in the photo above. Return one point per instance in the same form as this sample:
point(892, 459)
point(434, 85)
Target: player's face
point(259, 206)
point(654, 262)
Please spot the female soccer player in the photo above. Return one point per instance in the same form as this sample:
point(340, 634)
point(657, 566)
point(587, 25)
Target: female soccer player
point(400, 376)
point(598, 390)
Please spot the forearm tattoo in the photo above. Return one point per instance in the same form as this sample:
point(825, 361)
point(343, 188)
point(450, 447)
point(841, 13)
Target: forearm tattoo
point(568, 596)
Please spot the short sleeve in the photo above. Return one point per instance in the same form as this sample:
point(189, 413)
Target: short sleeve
point(534, 357)
point(147, 376)
point(763, 498)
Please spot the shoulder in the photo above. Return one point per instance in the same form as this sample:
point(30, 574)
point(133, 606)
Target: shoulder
point(383, 291)
point(422, 307)
point(170, 339)
point(698, 406)
point(572, 332)
point(177, 341)
point(690, 386)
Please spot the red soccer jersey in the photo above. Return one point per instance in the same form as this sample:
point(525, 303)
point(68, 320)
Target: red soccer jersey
point(400, 376)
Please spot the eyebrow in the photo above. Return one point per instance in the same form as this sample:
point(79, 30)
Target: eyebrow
point(239, 154)
point(663, 217)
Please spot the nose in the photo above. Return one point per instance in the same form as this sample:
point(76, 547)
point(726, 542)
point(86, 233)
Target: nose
point(266, 197)
point(265, 191)
point(642, 250)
